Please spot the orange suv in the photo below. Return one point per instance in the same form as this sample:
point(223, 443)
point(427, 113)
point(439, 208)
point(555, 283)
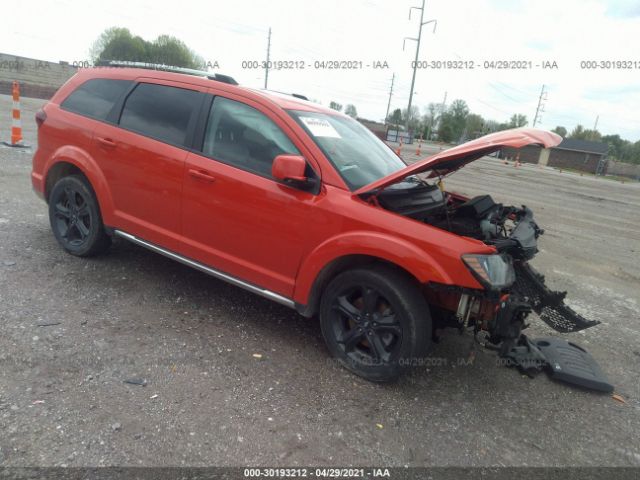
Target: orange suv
point(294, 202)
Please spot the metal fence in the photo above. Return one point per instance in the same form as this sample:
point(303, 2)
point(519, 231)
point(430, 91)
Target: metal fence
point(397, 135)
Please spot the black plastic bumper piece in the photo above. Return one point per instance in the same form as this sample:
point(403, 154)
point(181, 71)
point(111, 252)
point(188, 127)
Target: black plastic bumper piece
point(565, 362)
point(549, 305)
point(572, 364)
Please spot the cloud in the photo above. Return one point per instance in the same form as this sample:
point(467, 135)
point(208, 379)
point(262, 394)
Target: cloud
point(623, 8)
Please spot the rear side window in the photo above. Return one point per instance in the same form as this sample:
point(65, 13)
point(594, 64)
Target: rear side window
point(160, 112)
point(95, 98)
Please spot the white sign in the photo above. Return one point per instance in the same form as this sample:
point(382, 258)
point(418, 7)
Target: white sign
point(319, 127)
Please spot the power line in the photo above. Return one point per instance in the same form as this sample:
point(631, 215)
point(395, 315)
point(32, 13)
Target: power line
point(502, 93)
point(492, 107)
point(415, 63)
point(528, 94)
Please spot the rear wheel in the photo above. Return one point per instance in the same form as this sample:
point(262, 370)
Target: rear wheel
point(75, 217)
point(375, 321)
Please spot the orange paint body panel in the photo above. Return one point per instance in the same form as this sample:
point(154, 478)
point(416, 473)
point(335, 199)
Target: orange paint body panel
point(241, 223)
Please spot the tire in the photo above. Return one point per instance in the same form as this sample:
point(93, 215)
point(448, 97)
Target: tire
point(375, 322)
point(74, 215)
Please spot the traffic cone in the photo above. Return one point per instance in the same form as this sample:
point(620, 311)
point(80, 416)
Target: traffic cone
point(16, 124)
point(418, 149)
point(399, 150)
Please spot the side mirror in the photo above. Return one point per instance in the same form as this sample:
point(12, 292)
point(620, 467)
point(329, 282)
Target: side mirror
point(290, 170)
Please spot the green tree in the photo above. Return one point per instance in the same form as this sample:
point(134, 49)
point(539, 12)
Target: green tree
point(118, 43)
point(616, 145)
point(631, 153)
point(518, 120)
point(580, 133)
point(412, 118)
point(351, 110)
point(446, 128)
point(453, 121)
point(560, 130)
point(577, 132)
point(492, 126)
point(335, 106)
point(474, 126)
point(396, 117)
point(168, 50)
point(429, 119)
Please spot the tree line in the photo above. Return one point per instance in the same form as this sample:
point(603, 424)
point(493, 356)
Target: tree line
point(118, 43)
point(457, 123)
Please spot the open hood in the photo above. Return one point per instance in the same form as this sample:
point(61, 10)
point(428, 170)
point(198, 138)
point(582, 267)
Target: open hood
point(450, 160)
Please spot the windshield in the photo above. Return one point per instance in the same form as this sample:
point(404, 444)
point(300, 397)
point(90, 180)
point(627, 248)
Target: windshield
point(359, 156)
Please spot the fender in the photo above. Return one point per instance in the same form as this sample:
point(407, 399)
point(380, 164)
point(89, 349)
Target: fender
point(89, 167)
point(375, 244)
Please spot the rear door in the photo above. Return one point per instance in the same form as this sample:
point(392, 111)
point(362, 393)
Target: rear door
point(143, 158)
point(236, 218)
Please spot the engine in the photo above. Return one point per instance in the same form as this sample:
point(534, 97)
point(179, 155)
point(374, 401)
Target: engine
point(510, 229)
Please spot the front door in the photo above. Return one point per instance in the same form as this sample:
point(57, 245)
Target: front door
point(236, 218)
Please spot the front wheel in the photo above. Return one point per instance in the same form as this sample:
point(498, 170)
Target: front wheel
point(75, 217)
point(375, 322)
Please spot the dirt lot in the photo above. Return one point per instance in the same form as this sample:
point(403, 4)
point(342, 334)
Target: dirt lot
point(74, 330)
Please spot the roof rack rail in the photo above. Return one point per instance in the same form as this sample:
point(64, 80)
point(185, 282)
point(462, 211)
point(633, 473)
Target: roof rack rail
point(297, 95)
point(218, 77)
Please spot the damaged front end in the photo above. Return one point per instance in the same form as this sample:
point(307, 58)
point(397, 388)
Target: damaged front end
point(513, 289)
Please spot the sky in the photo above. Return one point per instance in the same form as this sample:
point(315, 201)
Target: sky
point(542, 32)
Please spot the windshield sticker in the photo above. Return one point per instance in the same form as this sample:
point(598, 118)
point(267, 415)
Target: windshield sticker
point(319, 127)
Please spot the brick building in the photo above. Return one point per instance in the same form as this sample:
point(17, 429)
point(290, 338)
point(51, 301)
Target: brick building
point(571, 153)
point(37, 78)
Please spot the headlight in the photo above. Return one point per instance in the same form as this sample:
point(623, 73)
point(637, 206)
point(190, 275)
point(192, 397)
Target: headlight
point(493, 271)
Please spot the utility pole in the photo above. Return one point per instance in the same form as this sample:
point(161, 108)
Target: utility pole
point(266, 70)
point(393, 77)
point(444, 102)
point(540, 109)
point(592, 137)
point(415, 63)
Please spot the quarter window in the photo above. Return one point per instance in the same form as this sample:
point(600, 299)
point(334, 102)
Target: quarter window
point(95, 98)
point(160, 112)
point(240, 135)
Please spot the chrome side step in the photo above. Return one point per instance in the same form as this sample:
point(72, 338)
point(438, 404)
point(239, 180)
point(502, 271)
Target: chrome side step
point(203, 268)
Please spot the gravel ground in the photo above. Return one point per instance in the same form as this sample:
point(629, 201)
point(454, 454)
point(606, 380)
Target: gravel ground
point(74, 330)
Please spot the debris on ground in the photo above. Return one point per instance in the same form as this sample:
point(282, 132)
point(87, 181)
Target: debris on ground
point(136, 381)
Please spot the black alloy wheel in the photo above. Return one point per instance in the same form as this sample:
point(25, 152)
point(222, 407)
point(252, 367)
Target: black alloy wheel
point(75, 217)
point(375, 321)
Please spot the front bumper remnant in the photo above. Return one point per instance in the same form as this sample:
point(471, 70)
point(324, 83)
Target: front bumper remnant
point(565, 362)
point(549, 305)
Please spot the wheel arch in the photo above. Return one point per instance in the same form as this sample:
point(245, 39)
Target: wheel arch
point(356, 249)
point(71, 160)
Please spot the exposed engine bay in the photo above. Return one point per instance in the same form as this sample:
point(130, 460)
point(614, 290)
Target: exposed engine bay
point(510, 229)
point(501, 314)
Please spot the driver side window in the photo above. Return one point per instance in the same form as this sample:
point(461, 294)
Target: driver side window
point(240, 135)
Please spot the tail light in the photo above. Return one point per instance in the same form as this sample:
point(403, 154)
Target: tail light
point(41, 116)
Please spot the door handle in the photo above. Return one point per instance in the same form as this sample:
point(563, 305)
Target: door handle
point(106, 142)
point(201, 175)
